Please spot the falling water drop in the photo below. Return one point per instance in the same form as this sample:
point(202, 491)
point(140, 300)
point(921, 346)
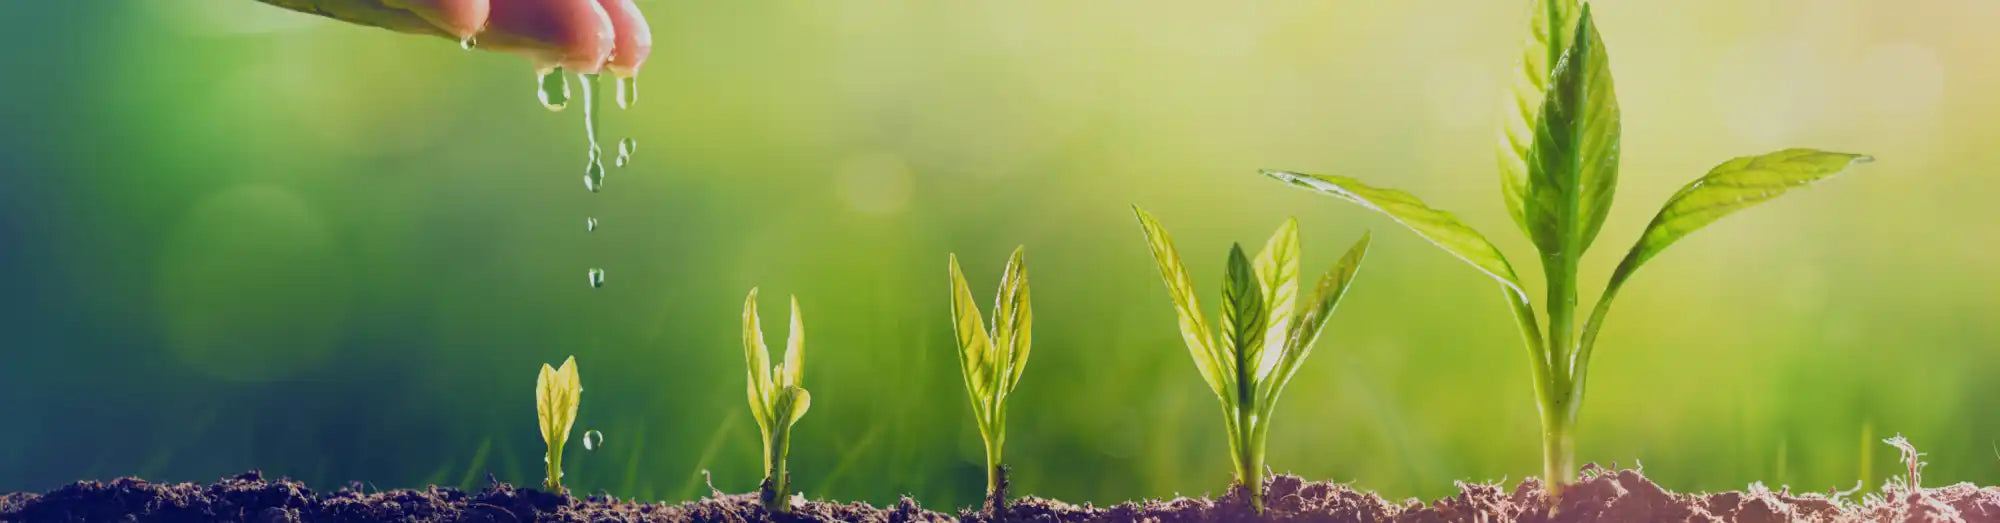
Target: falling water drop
point(593, 174)
point(553, 89)
point(589, 444)
point(593, 177)
point(628, 92)
point(596, 277)
point(590, 225)
point(626, 146)
point(468, 43)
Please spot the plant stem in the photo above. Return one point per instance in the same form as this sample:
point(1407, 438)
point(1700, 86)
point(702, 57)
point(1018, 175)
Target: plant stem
point(1558, 400)
point(777, 493)
point(1250, 465)
point(554, 483)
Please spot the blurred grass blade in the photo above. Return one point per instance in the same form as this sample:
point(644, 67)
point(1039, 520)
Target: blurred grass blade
point(1194, 330)
point(1550, 23)
point(1278, 273)
point(1439, 227)
point(1573, 168)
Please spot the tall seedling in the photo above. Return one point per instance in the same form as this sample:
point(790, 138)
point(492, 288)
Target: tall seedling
point(991, 359)
point(777, 399)
point(1559, 148)
point(1264, 336)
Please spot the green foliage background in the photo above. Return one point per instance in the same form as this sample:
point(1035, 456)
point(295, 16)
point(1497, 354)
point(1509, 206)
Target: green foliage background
point(232, 237)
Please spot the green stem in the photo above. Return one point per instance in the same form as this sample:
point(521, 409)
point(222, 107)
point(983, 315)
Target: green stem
point(1250, 464)
point(554, 482)
point(1558, 400)
point(777, 492)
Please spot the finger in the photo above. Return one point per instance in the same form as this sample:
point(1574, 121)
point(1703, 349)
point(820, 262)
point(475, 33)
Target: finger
point(633, 38)
point(460, 18)
point(365, 13)
point(576, 34)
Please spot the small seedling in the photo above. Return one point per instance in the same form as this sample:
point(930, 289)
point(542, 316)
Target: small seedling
point(991, 359)
point(1264, 335)
point(777, 399)
point(1559, 148)
point(1913, 463)
point(557, 391)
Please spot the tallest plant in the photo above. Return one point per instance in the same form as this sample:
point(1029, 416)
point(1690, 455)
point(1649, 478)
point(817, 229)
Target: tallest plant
point(1559, 148)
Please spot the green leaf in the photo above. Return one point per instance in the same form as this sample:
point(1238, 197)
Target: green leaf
point(1243, 316)
point(1573, 168)
point(794, 374)
point(975, 348)
point(1278, 273)
point(758, 360)
point(1439, 227)
point(1551, 23)
point(792, 403)
point(1735, 185)
point(1014, 328)
point(1305, 330)
point(1194, 330)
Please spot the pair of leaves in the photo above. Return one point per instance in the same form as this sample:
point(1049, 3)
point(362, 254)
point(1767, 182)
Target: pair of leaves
point(991, 358)
point(777, 394)
point(557, 392)
point(1264, 337)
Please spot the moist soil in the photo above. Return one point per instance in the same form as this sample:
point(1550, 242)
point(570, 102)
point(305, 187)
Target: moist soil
point(1602, 495)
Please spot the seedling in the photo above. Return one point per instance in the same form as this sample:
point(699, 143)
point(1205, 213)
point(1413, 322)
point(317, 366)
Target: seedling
point(991, 359)
point(777, 399)
point(1264, 336)
point(1559, 152)
point(556, 394)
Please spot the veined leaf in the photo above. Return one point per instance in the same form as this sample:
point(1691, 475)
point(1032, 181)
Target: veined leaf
point(1194, 330)
point(1439, 227)
point(1551, 23)
point(794, 371)
point(975, 348)
point(545, 407)
point(758, 360)
point(1735, 185)
point(1278, 273)
point(793, 402)
point(1014, 328)
point(569, 390)
point(1243, 317)
point(1311, 321)
point(1573, 167)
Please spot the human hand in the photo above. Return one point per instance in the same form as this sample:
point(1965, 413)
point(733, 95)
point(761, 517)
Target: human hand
point(584, 36)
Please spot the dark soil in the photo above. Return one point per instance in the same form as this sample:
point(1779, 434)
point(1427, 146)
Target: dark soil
point(1602, 495)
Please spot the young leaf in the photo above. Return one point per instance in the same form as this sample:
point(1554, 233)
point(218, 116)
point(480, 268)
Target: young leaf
point(1735, 185)
point(758, 361)
point(1439, 227)
point(794, 351)
point(1573, 168)
point(1194, 330)
point(975, 347)
point(1243, 319)
point(1014, 324)
point(1311, 321)
point(1551, 23)
point(1278, 273)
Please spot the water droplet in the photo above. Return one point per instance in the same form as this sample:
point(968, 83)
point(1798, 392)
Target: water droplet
point(589, 225)
point(593, 173)
point(628, 92)
point(468, 43)
point(588, 444)
point(553, 89)
point(596, 277)
point(626, 146)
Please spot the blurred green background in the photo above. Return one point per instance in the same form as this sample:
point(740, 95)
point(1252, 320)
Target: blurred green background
point(235, 237)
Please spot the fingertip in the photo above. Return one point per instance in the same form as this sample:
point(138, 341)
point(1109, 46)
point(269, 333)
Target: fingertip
point(632, 37)
point(460, 18)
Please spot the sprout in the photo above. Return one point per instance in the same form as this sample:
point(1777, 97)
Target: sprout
point(1264, 336)
point(991, 359)
point(777, 400)
point(556, 394)
point(1559, 150)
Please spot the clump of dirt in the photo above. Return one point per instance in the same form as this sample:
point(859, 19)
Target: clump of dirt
point(1601, 495)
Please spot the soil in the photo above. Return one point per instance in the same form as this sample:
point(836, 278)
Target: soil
point(1602, 495)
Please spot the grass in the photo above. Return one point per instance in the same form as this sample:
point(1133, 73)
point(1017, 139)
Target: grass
point(1559, 150)
point(1264, 336)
